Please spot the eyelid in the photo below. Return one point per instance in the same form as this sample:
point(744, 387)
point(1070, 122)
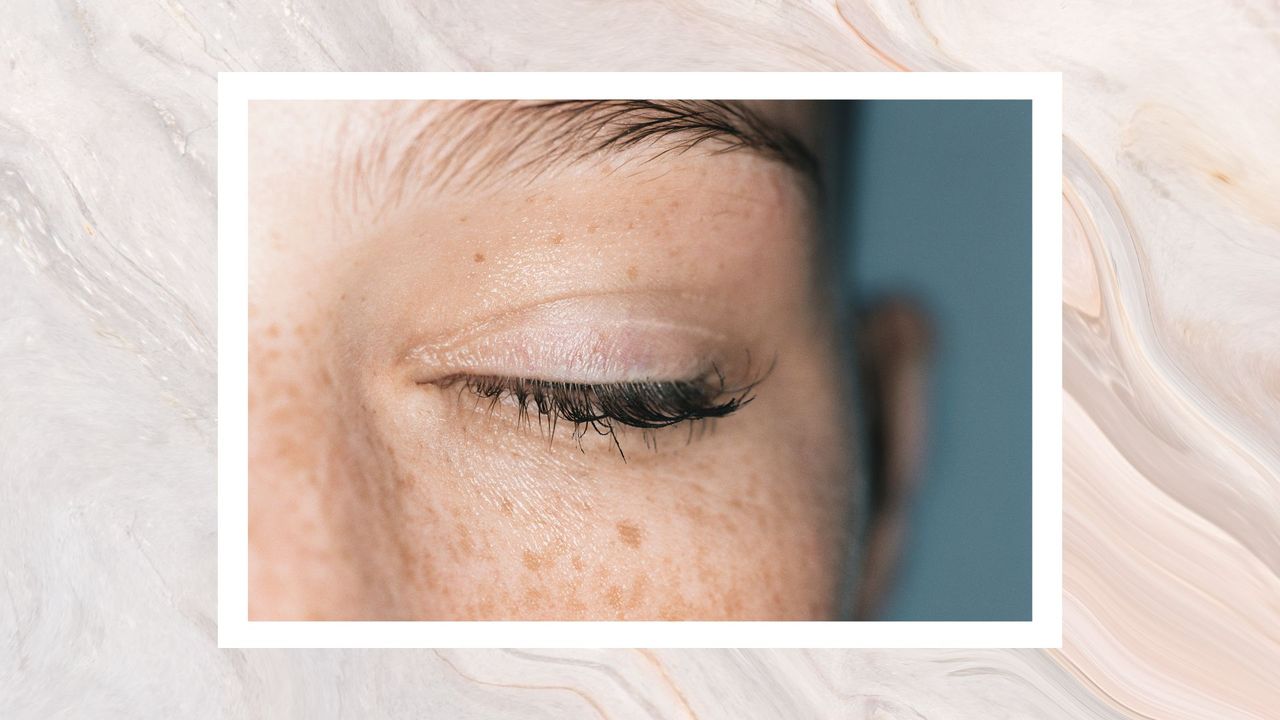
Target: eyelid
point(588, 340)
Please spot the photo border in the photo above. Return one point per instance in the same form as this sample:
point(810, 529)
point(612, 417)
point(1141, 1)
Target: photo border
point(235, 630)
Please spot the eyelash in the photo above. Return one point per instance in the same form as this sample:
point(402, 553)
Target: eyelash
point(601, 407)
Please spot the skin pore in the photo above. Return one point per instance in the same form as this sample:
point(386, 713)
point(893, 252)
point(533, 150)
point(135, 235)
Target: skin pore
point(383, 487)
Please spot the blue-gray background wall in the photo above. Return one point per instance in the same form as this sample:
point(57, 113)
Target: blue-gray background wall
point(938, 204)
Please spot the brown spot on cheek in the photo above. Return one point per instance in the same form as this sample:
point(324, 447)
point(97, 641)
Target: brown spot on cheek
point(532, 560)
point(632, 273)
point(630, 534)
point(478, 257)
point(557, 238)
point(613, 596)
point(539, 560)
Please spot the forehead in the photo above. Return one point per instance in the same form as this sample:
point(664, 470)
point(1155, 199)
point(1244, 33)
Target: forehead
point(386, 152)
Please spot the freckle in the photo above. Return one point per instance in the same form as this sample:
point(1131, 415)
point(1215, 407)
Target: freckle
point(273, 330)
point(462, 218)
point(632, 273)
point(557, 238)
point(531, 560)
point(592, 228)
point(614, 597)
point(478, 257)
point(464, 540)
point(630, 534)
point(577, 562)
point(1222, 177)
point(506, 507)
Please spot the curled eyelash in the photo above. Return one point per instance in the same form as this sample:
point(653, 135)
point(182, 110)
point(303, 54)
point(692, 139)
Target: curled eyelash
point(648, 405)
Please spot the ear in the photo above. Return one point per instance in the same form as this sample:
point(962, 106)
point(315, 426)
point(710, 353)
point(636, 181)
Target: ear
point(893, 341)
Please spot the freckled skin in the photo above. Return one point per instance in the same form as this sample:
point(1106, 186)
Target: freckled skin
point(374, 497)
point(630, 534)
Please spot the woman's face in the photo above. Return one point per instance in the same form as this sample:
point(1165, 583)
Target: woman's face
point(438, 291)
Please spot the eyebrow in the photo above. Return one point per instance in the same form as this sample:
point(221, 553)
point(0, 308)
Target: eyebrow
point(476, 145)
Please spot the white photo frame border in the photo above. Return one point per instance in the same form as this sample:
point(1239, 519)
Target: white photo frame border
point(236, 90)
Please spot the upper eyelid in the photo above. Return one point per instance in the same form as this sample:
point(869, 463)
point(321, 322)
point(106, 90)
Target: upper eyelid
point(600, 338)
point(479, 326)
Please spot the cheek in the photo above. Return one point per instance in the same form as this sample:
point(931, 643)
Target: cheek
point(494, 533)
point(365, 504)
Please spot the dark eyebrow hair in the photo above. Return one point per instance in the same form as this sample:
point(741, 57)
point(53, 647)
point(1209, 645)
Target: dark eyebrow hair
point(473, 145)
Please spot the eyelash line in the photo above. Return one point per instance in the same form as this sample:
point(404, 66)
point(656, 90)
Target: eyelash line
point(648, 405)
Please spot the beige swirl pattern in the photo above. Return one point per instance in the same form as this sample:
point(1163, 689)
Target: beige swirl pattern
point(1171, 390)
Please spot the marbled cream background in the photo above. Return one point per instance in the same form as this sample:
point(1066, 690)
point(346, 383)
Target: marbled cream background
point(1171, 373)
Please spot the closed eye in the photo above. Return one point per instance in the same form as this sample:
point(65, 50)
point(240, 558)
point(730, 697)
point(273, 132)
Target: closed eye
point(648, 405)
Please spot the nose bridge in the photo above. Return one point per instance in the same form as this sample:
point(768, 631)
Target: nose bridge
point(312, 492)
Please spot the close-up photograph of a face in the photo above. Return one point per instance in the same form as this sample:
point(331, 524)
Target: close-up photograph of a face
point(639, 360)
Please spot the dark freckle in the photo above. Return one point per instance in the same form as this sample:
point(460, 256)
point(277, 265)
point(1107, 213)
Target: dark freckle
point(557, 238)
point(1222, 177)
point(462, 218)
point(630, 534)
point(478, 257)
point(632, 273)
